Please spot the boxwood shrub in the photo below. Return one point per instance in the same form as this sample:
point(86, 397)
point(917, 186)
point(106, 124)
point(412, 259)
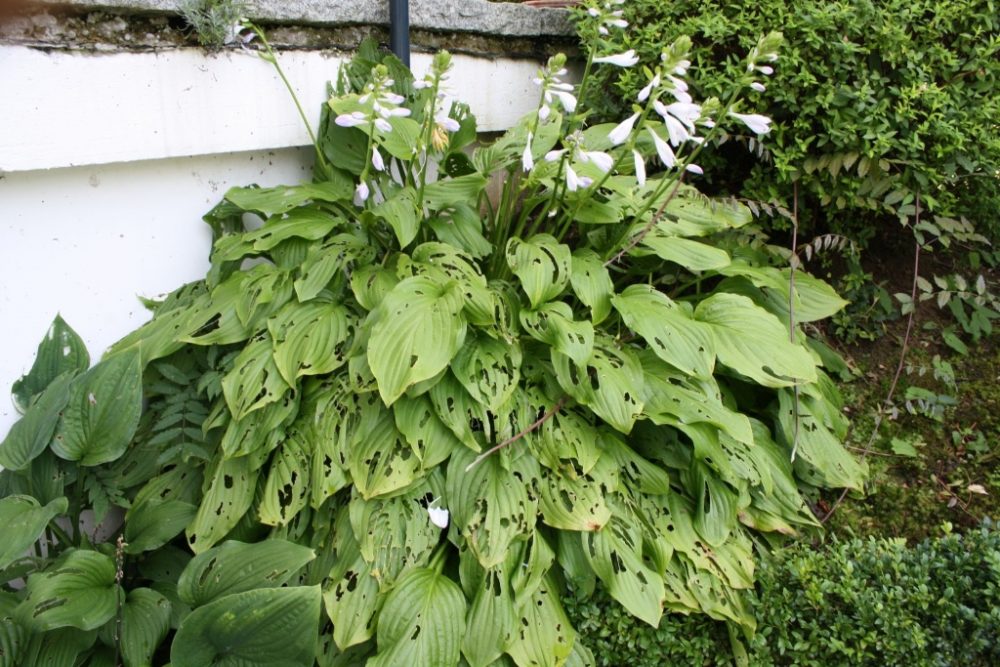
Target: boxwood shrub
point(859, 602)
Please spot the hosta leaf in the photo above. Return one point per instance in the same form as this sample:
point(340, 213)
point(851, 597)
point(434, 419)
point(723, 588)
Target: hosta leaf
point(353, 600)
point(492, 618)
point(699, 216)
point(451, 191)
point(615, 555)
point(379, 458)
point(544, 635)
point(150, 525)
point(668, 328)
point(716, 508)
point(23, 520)
point(542, 264)
point(325, 260)
point(753, 342)
point(592, 283)
point(259, 432)
point(310, 339)
point(14, 637)
point(419, 331)
point(212, 319)
point(273, 626)
point(422, 622)
point(552, 323)
point(493, 504)
point(441, 262)
point(286, 491)
point(821, 459)
point(31, 434)
point(79, 592)
point(432, 442)
point(308, 223)
point(394, 534)
point(692, 255)
point(634, 471)
point(61, 351)
point(103, 411)
point(578, 503)
point(462, 229)
point(264, 289)
point(610, 383)
point(226, 501)
point(400, 211)
point(145, 623)
point(490, 370)
point(254, 382)
point(235, 567)
point(283, 198)
point(459, 411)
point(814, 298)
point(568, 443)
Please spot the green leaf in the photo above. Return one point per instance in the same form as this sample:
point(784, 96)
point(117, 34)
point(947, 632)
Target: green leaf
point(490, 370)
point(31, 434)
point(430, 439)
point(544, 635)
point(283, 198)
point(79, 592)
point(753, 342)
point(669, 329)
point(254, 381)
point(552, 323)
point(61, 351)
point(462, 228)
point(692, 255)
point(150, 525)
point(821, 459)
point(228, 498)
point(23, 520)
point(578, 503)
point(145, 623)
point(325, 260)
point(492, 505)
point(542, 264)
point(451, 191)
point(492, 618)
point(419, 331)
point(379, 458)
point(275, 627)
point(310, 339)
point(14, 637)
point(592, 283)
point(400, 211)
point(696, 215)
point(308, 223)
point(353, 600)
point(286, 491)
point(814, 299)
point(610, 383)
point(235, 567)
point(422, 623)
point(103, 411)
point(401, 142)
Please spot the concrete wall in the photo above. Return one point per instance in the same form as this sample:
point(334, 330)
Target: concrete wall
point(111, 152)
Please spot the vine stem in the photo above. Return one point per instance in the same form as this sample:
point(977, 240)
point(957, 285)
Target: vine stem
point(649, 226)
point(879, 417)
point(119, 576)
point(791, 311)
point(509, 441)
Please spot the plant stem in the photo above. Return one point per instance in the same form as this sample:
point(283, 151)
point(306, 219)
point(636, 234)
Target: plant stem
point(541, 420)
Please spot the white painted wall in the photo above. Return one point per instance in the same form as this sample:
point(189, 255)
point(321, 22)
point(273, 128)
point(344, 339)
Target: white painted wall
point(85, 241)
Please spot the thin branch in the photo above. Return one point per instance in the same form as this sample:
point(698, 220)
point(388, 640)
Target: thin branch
point(902, 361)
point(541, 420)
point(791, 311)
point(649, 226)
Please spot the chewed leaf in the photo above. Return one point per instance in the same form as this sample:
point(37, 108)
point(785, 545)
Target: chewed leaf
point(61, 351)
point(610, 383)
point(542, 264)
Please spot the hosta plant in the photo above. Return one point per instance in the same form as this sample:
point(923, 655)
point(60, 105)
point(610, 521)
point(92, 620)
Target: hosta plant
point(417, 399)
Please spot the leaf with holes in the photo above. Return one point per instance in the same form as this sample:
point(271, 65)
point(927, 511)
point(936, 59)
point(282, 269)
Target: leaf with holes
point(23, 520)
point(418, 332)
point(308, 222)
point(145, 623)
point(542, 264)
point(284, 198)
point(150, 525)
point(270, 626)
point(753, 342)
point(325, 260)
point(226, 501)
point(490, 370)
point(79, 592)
point(543, 635)
point(310, 339)
point(102, 412)
point(422, 622)
point(61, 351)
point(820, 455)
point(352, 601)
point(493, 504)
point(286, 491)
point(553, 324)
point(379, 458)
point(578, 503)
point(432, 442)
point(610, 383)
point(668, 328)
point(592, 283)
point(235, 567)
point(493, 619)
point(254, 382)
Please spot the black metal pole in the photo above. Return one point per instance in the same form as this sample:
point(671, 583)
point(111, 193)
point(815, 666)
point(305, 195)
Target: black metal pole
point(399, 29)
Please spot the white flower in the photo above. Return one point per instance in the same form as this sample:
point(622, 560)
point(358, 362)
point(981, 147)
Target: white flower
point(602, 161)
point(766, 70)
point(377, 160)
point(626, 59)
point(644, 93)
point(527, 161)
point(676, 130)
point(383, 125)
point(755, 122)
point(667, 156)
point(694, 169)
point(420, 84)
point(351, 119)
point(640, 167)
point(574, 182)
point(544, 112)
point(361, 193)
point(445, 121)
point(686, 113)
point(759, 87)
point(439, 515)
point(552, 156)
point(620, 134)
point(567, 100)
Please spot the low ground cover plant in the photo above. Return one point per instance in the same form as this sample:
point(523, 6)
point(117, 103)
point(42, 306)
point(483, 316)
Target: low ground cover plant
point(404, 411)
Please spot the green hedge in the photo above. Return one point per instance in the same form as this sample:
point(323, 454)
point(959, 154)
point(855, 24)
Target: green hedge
point(870, 100)
point(874, 602)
